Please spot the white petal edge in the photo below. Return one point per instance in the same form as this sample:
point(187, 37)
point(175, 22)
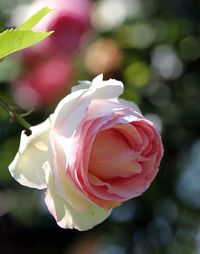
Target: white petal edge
point(70, 112)
point(107, 89)
point(130, 104)
point(76, 103)
point(83, 84)
point(100, 108)
point(66, 216)
point(26, 168)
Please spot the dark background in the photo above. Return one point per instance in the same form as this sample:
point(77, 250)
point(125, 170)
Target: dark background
point(159, 63)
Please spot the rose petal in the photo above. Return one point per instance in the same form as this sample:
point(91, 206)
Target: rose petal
point(81, 86)
point(79, 159)
point(130, 104)
point(68, 217)
point(64, 122)
point(109, 89)
point(77, 104)
point(26, 167)
point(111, 156)
point(134, 187)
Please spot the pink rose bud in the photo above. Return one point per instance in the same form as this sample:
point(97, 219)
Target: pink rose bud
point(93, 153)
point(44, 84)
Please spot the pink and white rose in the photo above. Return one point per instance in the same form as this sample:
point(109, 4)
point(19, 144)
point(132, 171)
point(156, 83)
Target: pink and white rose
point(92, 154)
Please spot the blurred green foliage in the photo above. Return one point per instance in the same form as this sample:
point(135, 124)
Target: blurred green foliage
point(160, 43)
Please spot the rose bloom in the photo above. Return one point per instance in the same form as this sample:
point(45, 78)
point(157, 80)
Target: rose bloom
point(92, 154)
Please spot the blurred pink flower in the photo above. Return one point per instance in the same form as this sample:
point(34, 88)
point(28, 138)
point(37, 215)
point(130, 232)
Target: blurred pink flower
point(70, 20)
point(68, 33)
point(47, 66)
point(44, 83)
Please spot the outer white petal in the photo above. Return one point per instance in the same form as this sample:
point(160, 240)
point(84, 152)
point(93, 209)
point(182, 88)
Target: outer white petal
point(100, 108)
point(26, 167)
point(108, 89)
point(130, 104)
point(66, 215)
point(83, 84)
point(70, 111)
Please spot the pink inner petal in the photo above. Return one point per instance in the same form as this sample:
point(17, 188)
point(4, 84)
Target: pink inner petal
point(111, 156)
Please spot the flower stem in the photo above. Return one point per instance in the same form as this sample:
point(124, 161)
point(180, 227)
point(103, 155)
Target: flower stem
point(15, 116)
point(4, 106)
point(19, 119)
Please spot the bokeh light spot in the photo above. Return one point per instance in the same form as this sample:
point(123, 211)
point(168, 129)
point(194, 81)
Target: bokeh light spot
point(138, 74)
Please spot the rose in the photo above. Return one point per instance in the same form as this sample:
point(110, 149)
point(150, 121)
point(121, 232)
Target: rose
point(92, 154)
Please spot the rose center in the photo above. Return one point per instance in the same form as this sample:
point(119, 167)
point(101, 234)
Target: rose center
point(112, 157)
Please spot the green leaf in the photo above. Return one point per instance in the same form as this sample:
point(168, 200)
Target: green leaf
point(13, 40)
point(32, 21)
point(16, 39)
